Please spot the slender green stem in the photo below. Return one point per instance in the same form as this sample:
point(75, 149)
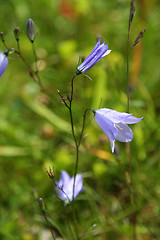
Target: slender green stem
point(35, 56)
point(42, 206)
point(83, 125)
point(129, 181)
point(77, 150)
point(71, 98)
point(3, 41)
point(33, 74)
point(45, 216)
point(128, 90)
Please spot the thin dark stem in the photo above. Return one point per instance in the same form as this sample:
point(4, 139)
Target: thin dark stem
point(83, 125)
point(33, 74)
point(77, 149)
point(77, 142)
point(18, 46)
point(5, 44)
point(42, 206)
point(132, 10)
point(35, 56)
point(63, 99)
point(38, 80)
point(45, 216)
point(71, 98)
point(128, 69)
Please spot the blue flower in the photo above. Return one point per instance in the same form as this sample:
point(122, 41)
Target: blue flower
point(3, 62)
point(114, 125)
point(66, 184)
point(98, 52)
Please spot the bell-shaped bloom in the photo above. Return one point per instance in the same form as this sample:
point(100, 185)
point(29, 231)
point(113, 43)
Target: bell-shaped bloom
point(66, 184)
point(3, 63)
point(99, 51)
point(114, 124)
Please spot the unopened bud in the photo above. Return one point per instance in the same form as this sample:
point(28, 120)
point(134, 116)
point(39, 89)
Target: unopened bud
point(30, 28)
point(2, 37)
point(41, 204)
point(16, 33)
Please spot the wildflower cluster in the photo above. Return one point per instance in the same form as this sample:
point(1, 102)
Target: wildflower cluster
point(113, 123)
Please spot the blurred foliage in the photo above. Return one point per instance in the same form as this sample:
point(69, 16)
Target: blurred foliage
point(35, 131)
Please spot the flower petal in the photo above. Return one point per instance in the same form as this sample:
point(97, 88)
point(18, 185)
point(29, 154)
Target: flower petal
point(3, 63)
point(132, 120)
point(64, 180)
point(107, 127)
point(124, 134)
point(106, 124)
point(88, 58)
point(78, 185)
point(113, 115)
point(96, 58)
point(60, 192)
point(106, 53)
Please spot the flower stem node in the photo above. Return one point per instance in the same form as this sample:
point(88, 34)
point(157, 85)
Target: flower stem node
point(99, 51)
point(114, 125)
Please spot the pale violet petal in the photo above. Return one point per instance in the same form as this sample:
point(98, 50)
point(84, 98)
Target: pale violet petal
point(112, 145)
point(97, 57)
point(89, 56)
point(113, 115)
point(132, 120)
point(1, 57)
point(107, 127)
point(124, 134)
point(3, 63)
point(64, 179)
point(78, 185)
point(60, 193)
point(106, 53)
point(105, 124)
point(92, 59)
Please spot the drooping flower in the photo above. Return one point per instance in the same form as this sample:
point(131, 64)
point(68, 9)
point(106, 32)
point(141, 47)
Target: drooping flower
point(3, 62)
point(99, 51)
point(114, 124)
point(66, 184)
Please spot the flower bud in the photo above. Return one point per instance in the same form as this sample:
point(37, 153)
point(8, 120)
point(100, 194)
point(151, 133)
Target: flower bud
point(30, 28)
point(16, 33)
point(41, 204)
point(2, 37)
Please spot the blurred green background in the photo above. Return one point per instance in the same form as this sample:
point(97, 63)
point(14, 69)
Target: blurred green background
point(35, 132)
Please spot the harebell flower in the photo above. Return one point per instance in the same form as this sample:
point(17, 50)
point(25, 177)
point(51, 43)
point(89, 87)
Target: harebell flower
point(99, 51)
point(66, 184)
point(114, 124)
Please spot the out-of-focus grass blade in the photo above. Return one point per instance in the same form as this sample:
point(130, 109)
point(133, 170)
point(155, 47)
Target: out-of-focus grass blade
point(100, 87)
point(11, 151)
point(46, 113)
